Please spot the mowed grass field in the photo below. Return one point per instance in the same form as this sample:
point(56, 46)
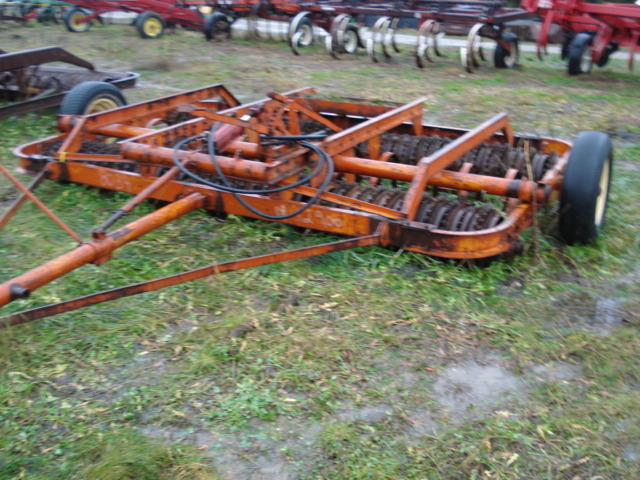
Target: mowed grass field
point(364, 364)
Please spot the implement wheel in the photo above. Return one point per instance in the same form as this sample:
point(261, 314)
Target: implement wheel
point(217, 26)
point(351, 39)
point(73, 20)
point(503, 58)
point(91, 97)
point(579, 54)
point(585, 188)
point(300, 32)
point(150, 25)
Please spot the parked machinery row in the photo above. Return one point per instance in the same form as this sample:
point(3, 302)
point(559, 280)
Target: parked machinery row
point(592, 32)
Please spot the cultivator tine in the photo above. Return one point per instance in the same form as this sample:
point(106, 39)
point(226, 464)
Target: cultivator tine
point(427, 41)
point(473, 53)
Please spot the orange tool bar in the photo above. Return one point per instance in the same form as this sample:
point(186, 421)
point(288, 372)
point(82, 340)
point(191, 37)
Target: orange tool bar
point(97, 250)
point(429, 166)
point(521, 189)
point(76, 303)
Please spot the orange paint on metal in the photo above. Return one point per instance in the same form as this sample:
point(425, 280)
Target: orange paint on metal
point(40, 205)
point(70, 305)
point(94, 251)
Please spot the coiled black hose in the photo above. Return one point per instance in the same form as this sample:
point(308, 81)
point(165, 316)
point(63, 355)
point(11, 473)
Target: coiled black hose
point(324, 159)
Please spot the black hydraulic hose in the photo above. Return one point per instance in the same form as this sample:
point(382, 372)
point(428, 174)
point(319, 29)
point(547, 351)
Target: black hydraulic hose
point(324, 160)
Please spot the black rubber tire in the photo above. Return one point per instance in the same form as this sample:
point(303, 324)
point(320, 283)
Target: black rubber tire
point(585, 188)
point(150, 25)
point(579, 54)
point(91, 97)
point(73, 13)
point(503, 58)
point(216, 25)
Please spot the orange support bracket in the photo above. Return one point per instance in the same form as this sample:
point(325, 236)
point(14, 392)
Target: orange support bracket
point(94, 252)
point(13, 208)
point(41, 205)
point(429, 166)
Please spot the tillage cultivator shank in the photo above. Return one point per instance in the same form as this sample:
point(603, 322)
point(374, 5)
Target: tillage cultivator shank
point(372, 172)
point(342, 20)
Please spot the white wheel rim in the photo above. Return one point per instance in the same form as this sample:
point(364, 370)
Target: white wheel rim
point(306, 37)
point(511, 59)
point(350, 39)
point(585, 60)
point(601, 200)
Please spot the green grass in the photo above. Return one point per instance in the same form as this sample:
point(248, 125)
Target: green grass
point(330, 367)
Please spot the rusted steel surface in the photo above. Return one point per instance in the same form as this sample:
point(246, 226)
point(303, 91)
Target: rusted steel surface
point(28, 85)
point(17, 203)
point(96, 251)
point(27, 192)
point(372, 172)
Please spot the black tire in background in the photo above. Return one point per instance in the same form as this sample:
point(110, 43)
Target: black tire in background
point(217, 26)
point(502, 58)
point(91, 97)
point(585, 188)
point(71, 17)
point(579, 54)
point(150, 25)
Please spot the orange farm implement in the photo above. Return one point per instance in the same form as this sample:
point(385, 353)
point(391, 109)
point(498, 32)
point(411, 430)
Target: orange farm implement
point(371, 172)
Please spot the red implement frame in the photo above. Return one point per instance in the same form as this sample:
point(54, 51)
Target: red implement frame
point(612, 25)
point(172, 11)
point(354, 150)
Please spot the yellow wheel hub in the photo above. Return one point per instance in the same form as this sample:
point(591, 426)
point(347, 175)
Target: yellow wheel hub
point(152, 27)
point(76, 20)
point(101, 104)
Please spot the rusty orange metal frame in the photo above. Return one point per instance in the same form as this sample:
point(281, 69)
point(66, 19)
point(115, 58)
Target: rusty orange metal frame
point(378, 174)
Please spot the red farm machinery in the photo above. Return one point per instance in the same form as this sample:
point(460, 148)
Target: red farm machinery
point(152, 16)
point(372, 172)
point(592, 31)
